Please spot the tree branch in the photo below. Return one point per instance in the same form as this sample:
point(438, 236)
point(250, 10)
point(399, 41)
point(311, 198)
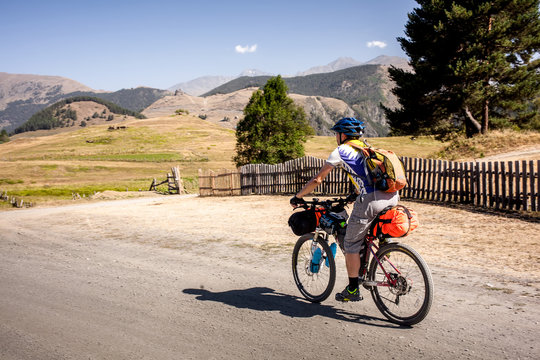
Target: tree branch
point(473, 121)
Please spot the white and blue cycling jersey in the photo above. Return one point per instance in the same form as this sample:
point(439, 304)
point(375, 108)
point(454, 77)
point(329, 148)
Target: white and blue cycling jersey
point(354, 164)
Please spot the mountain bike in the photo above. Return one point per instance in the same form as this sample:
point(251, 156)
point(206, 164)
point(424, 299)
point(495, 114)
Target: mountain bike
point(397, 277)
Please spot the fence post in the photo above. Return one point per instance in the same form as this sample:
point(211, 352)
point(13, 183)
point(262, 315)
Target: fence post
point(510, 185)
point(525, 203)
point(439, 179)
point(518, 186)
point(531, 178)
point(497, 193)
point(484, 191)
point(477, 181)
point(504, 199)
point(537, 185)
point(461, 175)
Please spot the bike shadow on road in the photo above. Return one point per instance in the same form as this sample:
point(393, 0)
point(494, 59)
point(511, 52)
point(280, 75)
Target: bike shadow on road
point(267, 299)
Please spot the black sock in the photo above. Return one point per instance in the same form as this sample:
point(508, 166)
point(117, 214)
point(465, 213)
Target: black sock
point(353, 283)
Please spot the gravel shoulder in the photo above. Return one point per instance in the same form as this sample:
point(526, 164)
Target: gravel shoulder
point(169, 277)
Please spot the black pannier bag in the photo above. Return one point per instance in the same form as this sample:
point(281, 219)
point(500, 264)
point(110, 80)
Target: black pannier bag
point(303, 222)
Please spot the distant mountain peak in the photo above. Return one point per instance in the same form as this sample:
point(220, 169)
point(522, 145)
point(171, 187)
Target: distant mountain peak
point(203, 84)
point(347, 62)
point(396, 61)
point(254, 72)
point(338, 64)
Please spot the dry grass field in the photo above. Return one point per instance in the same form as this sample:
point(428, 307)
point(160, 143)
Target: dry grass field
point(51, 166)
point(41, 166)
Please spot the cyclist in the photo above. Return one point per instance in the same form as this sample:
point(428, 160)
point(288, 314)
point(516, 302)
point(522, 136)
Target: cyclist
point(368, 201)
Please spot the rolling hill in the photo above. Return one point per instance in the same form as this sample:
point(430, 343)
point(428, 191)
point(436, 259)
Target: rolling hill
point(227, 109)
point(22, 95)
point(75, 111)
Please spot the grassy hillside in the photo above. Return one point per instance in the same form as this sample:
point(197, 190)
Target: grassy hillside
point(55, 116)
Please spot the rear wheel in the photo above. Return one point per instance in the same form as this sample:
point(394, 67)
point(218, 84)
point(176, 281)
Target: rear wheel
point(314, 279)
point(406, 298)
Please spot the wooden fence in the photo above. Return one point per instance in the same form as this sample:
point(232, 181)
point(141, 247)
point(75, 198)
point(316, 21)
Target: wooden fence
point(225, 182)
point(290, 177)
point(498, 185)
point(173, 181)
point(512, 185)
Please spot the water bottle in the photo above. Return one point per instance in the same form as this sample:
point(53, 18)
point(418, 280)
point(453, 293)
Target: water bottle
point(333, 248)
point(315, 261)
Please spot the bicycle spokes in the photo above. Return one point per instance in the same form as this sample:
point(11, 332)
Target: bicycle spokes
point(392, 273)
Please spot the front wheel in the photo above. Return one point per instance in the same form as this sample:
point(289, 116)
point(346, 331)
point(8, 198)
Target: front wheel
point(401, 284)
point(314, 268)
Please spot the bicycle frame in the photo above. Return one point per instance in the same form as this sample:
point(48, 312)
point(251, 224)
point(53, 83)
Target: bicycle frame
point(364, 262)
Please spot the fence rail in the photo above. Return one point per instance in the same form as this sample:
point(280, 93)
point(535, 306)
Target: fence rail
point(510, 185)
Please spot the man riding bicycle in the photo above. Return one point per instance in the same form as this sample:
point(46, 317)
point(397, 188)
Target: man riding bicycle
point(367, 205)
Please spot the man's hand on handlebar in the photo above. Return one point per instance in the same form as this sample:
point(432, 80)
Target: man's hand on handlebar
point(351, 198)
point(296, 202)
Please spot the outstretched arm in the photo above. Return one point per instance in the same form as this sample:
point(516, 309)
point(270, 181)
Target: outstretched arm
point(315, 181)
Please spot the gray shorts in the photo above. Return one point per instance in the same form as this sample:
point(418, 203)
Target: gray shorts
point(364, 212)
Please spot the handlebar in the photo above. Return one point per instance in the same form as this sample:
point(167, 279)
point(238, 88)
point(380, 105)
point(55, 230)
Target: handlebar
point(334, 205)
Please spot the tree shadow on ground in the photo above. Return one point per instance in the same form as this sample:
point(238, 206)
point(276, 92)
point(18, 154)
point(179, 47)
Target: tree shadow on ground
point(266, 299)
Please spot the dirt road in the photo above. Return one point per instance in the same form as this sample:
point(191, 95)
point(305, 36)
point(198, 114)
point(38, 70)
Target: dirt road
point(183, 277)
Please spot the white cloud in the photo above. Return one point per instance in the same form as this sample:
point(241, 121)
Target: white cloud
point(245, 49)
point(379, 44)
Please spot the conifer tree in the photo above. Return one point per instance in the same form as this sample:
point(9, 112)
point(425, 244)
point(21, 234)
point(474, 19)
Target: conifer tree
point(4, 137)
point(273, 129)
point(475, 65)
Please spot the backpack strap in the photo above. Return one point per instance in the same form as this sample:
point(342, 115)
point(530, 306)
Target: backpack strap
point(363, 149)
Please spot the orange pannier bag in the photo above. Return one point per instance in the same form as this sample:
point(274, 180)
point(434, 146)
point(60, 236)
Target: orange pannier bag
point(396, 221)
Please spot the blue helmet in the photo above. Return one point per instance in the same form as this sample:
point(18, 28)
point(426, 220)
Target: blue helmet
point(349, 126)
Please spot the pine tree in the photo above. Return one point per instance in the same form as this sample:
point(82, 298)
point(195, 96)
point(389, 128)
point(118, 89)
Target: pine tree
point(273, 129)
point(473, 66)
point(4, 137)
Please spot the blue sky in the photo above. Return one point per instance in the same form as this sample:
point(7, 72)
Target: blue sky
point(112, 44)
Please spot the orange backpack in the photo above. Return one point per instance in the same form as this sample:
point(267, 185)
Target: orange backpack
point(386, 169)
point(396, 221)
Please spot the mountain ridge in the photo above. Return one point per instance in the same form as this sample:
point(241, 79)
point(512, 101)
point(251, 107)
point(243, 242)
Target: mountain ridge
point(204, 84)
point(17, 87)
point(363, 88)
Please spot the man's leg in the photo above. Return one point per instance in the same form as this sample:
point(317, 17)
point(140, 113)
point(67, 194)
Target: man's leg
point(353, 264)
point(357, 228)
point(351, 292)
